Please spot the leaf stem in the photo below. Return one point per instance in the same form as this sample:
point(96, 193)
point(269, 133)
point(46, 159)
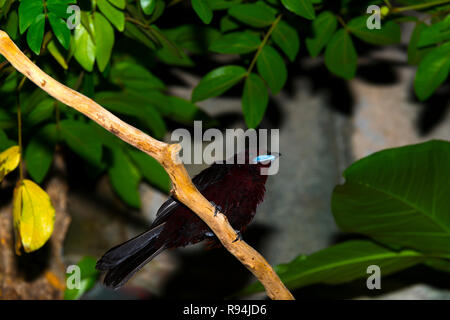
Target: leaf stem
point(263, 43)
point(420, 6)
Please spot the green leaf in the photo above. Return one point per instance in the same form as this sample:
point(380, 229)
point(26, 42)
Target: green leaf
point(341, 263)
point(104, 35)
point(114, 15)
point(432, 71)
point(133, 32)
point(151, 170)
point(272, 68)
point(135, 105)
point(185, 112)
point(6, 120)
point(416, 54)
point(255, 14)
point(35, 34)
point(389, 33)
point(236, 43)
point(223, 4)
point(399, 197)
point(88, 277)
point(323, 28)
point(84, 48)
point(286, 37)
point(437, 32)
point(12, 24)
point(217, 82)
point(195, 39)
point(125, 177)
point(56, 53)
point(39, 152)
point(148, 6)
point(119, 3)
point(439, 264)
point(29, 10)
point(135, 77)
point(42, 111)
point(5, 143)
point(340, 55)
point(254, 100)
point(303, 8)
point(60, 30)
point(228, 24)
point(203, 10)
point(59, 7)
point(80, 137)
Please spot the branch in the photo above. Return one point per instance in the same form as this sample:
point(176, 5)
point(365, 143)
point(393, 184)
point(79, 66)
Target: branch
point(166, 154)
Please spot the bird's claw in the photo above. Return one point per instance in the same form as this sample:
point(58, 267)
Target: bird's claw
point(217, 208)
point(238, 237)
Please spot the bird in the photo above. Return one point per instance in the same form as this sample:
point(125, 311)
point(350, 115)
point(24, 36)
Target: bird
point(235, 188)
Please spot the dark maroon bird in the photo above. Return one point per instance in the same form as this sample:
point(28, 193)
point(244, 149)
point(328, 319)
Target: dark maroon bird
point(235, 189)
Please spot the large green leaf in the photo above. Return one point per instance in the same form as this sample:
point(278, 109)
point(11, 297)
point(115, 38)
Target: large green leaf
point(272, 69)
point(80, 137)
point(416, 54)
point(236, 43)
point(151, 170)
point(88, 278)
point(125, 177)
point(104, 40)
point(437, 32)
point(148, 6)
point(135, 77)
point(60, 29)
point(84, 47)
point(303, 8)
point(286, 37)
point(114, 15)
point(340, 55)
point(432, 72)
point(255, 14)
point(254, 100)
point(217, 82)
point(35, 34)
point(39, 152)
point(135, 105)
point(389, 33)
point(59, 7)
point(28, 11)
point(203, 10)
point(399, 196)
point(323, 29)
point(341, 263)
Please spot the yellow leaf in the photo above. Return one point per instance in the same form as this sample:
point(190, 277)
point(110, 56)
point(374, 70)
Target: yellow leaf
point(9, 160)
point(34, 216)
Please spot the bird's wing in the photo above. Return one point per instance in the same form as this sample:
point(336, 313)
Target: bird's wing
point(205, 178)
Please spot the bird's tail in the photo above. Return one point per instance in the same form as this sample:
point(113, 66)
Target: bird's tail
point(124, 260)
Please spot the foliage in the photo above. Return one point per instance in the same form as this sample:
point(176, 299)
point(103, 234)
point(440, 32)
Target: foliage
point(399, 199)
point(88, 277)
point(123, 54)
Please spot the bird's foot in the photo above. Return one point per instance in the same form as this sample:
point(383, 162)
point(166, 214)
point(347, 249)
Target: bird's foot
point(239, 236)
point(217, 208)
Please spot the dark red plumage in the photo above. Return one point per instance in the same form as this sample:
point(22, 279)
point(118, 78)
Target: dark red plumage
point(236, 189)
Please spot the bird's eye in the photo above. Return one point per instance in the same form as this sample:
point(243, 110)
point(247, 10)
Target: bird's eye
point(263, 158)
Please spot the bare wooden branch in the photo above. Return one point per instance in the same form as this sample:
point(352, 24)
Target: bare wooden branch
point(166, 154)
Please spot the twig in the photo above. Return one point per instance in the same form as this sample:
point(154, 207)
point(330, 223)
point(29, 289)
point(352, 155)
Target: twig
point(166, 154)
